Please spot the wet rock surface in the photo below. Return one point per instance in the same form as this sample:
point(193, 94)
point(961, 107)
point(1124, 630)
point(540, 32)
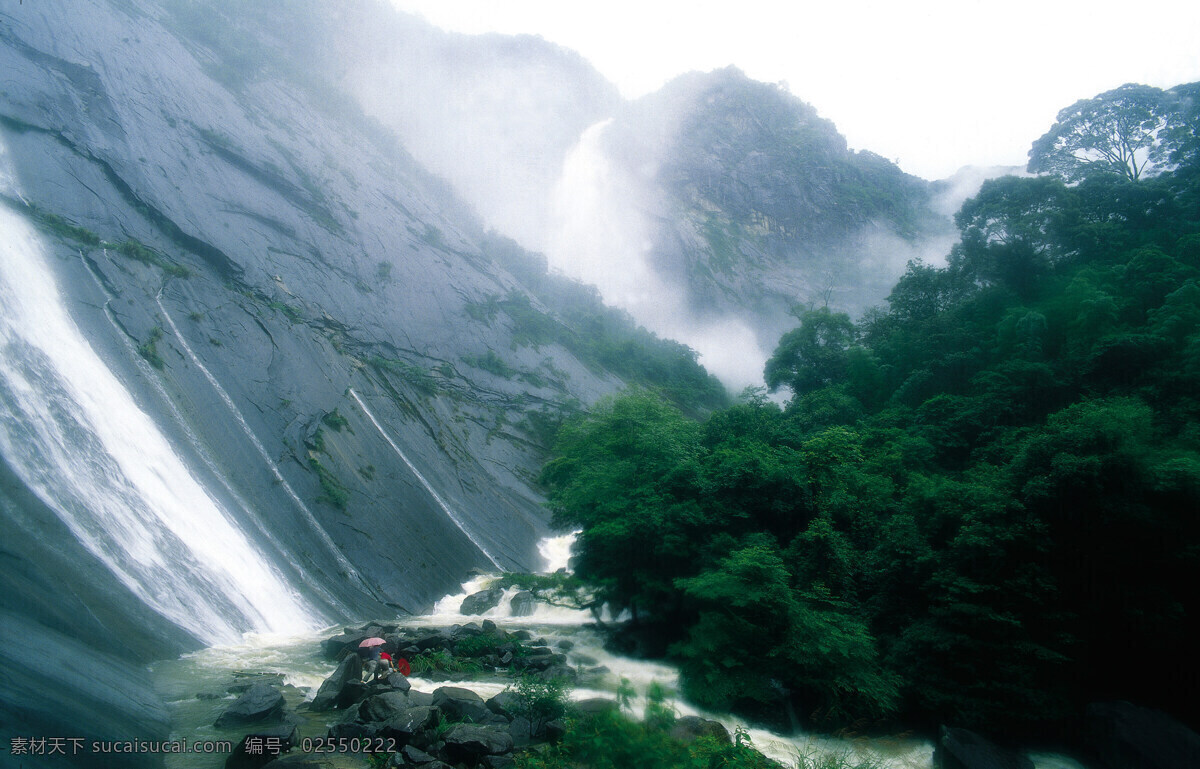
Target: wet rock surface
point(261, 702)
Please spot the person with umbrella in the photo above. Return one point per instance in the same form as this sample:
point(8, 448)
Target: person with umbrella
point(376, 667)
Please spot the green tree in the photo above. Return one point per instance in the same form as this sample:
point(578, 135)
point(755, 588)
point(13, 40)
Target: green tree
point(813, 355)
point(1117, 132)
point(627, 474)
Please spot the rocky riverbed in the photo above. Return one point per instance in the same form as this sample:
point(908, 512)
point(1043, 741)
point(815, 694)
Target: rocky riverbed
point(351, 721)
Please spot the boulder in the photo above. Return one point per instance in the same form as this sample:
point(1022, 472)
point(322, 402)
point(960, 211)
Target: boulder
point(398, 681)
point(348, 730)
point(558, 671)
point(505, 703)
point(434, 640)
point(349, 640)
point(964, 749)
point(553, 730)
point(410, 723)
point(470, 742)
point(383, 707)
point(688, 729)
point(1121, 734)
point(468, 630)
point(523, 604)
point(521, 730)
point(484, 600)
point(261, 702)
point(262, 746)
point(246, 680)
point(462, 705)
point(333, 690)
point(498, 762)
point(414, 756)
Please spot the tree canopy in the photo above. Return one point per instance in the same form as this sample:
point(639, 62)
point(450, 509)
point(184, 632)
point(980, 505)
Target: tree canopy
point(1133, 131)
point(978, 506)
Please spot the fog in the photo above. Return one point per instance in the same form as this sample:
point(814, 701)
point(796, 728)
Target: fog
point(546, 152)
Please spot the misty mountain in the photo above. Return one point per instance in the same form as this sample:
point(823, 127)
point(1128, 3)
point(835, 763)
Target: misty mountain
point(755, 204)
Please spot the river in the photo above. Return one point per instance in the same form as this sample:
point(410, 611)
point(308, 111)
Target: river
point(195, 685)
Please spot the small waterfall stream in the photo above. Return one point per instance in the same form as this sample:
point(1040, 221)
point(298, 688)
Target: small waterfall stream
point(454, 518)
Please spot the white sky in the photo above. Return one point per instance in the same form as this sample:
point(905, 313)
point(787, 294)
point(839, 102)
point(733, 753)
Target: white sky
point(932, 84)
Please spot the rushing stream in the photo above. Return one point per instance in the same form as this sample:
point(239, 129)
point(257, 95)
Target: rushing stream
point(195, 686)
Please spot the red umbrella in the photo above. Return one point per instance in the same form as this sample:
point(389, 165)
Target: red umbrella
point(373, 642)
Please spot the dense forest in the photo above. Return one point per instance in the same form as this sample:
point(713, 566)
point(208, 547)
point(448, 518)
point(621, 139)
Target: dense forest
point(979, 505)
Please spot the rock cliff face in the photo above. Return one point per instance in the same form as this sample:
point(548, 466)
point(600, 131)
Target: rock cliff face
point(758, 205)
point(263, 293)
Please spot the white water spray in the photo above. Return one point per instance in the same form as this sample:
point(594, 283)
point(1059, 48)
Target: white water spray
point(454, 518)
point(602, 234)
point(76, 438)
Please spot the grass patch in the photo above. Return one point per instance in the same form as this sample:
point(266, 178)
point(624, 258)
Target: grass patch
point(139, 251)
point(336, 422)
point(414, 375)
point(62, 227)
point(149, 349)
point(288, 311)
point(333, 493)
point(491, 363)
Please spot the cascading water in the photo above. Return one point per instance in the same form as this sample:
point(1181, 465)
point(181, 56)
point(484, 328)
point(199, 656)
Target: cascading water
point(458, 522)
point(602, 234)
point(75, 437)
point(309, 518)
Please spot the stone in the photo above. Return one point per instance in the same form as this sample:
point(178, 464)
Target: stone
point(435, 640)
point(1121, 734)
point(410, 723)
point(523, 604)
point(964, 749)
point(383, 707)
point(462, 705)
point(521, 730)
point(468, 630)
point(505, 703)
point(553, 730)
point(688, 729)
point(350, 729)
point(261, 702)
point(484, 600)
point(470, 742)
point(415, 756)
point(331, 693)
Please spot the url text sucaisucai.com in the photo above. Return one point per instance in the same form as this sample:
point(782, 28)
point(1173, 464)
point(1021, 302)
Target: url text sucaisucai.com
point(72, 746)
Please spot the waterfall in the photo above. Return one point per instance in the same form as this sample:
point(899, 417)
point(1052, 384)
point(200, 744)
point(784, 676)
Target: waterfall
point(76, 438)
point(454, 518)
point(602, 232)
